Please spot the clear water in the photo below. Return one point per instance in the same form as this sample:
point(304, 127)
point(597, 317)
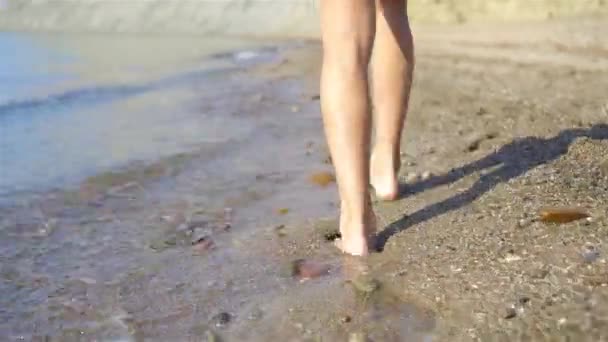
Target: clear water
point(72, 105)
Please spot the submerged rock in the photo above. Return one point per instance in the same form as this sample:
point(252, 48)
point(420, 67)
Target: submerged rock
point(322, 179)
point(305, 269)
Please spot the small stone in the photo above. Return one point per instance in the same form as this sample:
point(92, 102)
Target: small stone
point(412, 177)
point(203, 245)
point(295, 109)
point(332, 235)
point(512, 257)
point(510, 313)
point(280, 230)
point(523, 300)
point(221, 319)
point(315, 97)
point(473, 145)
point(322, 179)
point(345, 319)
point(88, 281)
point(426, 175)
point(228, 213)
point(590, 254)
point(305, 269)
point(199, 234)
point(562, 215)
point(522, 223)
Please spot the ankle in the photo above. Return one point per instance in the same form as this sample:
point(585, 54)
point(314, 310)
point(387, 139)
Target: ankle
point(386, 150)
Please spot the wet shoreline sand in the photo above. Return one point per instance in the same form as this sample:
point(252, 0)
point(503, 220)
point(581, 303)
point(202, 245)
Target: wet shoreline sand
point(505, 126)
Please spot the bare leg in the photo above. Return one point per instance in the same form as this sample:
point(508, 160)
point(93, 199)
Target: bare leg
point(348, 28)
point(392, 69)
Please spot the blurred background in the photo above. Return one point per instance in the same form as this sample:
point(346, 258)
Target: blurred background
point(257, 17)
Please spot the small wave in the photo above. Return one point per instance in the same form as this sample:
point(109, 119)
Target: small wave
point(102, 94)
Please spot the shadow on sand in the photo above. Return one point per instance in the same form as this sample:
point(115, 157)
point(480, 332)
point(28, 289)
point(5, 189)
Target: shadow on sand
point(513, 159)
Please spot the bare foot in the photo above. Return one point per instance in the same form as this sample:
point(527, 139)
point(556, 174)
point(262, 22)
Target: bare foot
point(358, 239)
point(383, 174)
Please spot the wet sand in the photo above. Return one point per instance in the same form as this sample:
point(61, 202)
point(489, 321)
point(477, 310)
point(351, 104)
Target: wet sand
point(506, 121)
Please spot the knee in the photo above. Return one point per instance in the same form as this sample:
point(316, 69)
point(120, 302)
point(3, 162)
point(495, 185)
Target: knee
point(347, 50)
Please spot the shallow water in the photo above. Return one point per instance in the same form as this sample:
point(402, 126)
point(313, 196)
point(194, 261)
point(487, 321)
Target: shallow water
point(72, 106)
point(93, 246)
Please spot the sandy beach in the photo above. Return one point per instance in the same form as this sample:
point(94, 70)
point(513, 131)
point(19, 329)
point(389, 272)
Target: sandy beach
point(506, 119)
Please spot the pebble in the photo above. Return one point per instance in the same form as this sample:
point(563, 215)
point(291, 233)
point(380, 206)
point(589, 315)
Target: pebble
point(203, 246)
point(199, 234)
point(322, 179)
point(510, 313)
point(522, 223)
point(221, 319)
point(426, 175)
point(295, 109)
point(412, 177)
point(561, 215)
point(332, 235)
point(512, 257)
point(346, 319)
point(280, 230)
point(305, 269)
point(590, 254)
